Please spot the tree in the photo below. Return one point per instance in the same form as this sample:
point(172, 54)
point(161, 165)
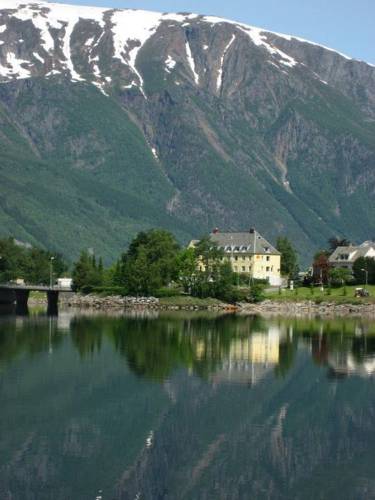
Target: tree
point(86, 274)
point(187, 266)
point(214, 276)
point(339, 276)
point(321, 267)
point(30, 263)
point(368, 264)
point(149, 263)
point(335, 242)
point(289, 259)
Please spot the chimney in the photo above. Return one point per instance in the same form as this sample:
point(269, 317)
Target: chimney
point(216, 230)
point(252, 230)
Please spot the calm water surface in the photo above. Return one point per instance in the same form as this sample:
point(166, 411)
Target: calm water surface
point(178, 406)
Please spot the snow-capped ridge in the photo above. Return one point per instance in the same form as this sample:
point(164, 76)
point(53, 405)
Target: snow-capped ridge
point(257, 30)
point(129, 30)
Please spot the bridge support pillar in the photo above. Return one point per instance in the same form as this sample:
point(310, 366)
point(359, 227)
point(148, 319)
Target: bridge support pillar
point(7, 296)
point(22, 297)
point(53, 301)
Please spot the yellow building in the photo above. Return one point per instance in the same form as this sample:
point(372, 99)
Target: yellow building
point(249, 253)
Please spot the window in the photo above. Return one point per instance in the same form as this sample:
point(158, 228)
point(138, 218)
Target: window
point(267, 269)
point(236, 258)
point(268, 258)
point(243, 257)
point(243, 269)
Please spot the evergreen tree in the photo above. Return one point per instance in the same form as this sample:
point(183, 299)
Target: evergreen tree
point(86, 275)
point(289, 259)
point(335, 242)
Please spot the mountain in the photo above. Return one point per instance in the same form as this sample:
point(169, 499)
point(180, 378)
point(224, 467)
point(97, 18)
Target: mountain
point(112, 121)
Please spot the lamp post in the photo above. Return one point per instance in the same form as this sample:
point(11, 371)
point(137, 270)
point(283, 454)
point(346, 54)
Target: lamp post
point(51, 271)
point(366, 273)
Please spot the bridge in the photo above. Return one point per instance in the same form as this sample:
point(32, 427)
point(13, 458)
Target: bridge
point(19, 295)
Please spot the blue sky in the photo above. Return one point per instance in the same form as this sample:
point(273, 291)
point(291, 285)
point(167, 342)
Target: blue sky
point(345, 25)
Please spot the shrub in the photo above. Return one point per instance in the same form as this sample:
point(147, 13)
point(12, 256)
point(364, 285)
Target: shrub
point(108, 290)
point(234, 295)
point(256, 293)
point(167, 292)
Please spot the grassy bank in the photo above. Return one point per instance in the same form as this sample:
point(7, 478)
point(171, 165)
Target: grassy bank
point(342, 295)
point(187, 301)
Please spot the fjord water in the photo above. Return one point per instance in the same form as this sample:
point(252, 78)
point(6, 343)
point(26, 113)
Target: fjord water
point(186, 406)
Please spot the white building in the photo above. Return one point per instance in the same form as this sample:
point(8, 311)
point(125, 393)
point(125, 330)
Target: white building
point(346, 256)
point(65, 283)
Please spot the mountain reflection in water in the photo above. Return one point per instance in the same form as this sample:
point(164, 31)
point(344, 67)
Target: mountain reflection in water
point(190, 406)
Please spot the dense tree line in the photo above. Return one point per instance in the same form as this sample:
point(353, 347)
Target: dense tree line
point(155, 264)
point(19, 261)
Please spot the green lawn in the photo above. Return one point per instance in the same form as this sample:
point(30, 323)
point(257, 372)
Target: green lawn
point(341, 295)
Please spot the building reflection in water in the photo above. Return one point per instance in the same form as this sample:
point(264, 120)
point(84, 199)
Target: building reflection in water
point(345, 364)
point(250, 358)
point(227, 349)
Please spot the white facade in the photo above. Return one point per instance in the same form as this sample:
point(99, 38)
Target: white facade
point(65, 283)
point(346, 256)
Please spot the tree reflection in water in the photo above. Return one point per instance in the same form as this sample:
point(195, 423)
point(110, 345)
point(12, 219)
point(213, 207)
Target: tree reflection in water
point(220, 348)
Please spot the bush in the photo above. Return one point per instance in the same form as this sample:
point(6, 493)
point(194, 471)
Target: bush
point(234, 295)
point(256, 294)
point(86, 289)
point(108, 290)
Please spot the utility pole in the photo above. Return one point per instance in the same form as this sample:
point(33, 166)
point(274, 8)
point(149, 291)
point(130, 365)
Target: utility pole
point(366, 274)
point(51, 271)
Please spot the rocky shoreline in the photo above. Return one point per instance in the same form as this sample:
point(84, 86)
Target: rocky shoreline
point(309, 308)
point(151, 303)
point(265, 308)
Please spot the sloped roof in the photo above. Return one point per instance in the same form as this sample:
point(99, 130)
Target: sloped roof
point(353, 251)
point(244, 241)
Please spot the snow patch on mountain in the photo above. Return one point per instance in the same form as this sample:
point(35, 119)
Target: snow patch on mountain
point(170, 63)
point(258, 37)
point(191, 62)
point(37, 56)
point(15, 67)
point(220, 75)
point(259, 31)
point(133, 26)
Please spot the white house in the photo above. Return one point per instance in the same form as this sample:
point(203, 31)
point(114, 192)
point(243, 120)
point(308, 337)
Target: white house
point(346, 256)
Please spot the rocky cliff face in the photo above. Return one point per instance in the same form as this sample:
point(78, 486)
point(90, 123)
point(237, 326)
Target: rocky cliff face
point(136, 119)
